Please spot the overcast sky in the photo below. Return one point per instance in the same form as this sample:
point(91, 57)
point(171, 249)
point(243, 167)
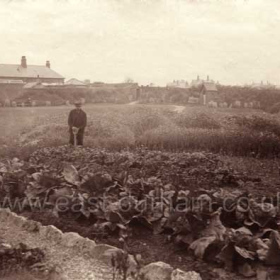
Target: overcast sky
point(233, 41)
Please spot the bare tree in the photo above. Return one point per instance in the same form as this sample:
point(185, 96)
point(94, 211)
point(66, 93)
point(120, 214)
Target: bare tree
point(128, 80)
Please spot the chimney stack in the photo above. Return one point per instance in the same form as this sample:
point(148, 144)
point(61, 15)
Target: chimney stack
point(197, 77)
point(23, 62)
point(207, 78)
point(48, 64)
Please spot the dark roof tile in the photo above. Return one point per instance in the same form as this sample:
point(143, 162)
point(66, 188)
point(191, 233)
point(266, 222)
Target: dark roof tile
point(32, 71)
point(210, 87)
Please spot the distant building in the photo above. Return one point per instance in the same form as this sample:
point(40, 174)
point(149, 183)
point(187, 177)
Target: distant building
point(208, 93)
point(75, 82)
point(178, 84)
point(205, 91)
point(14, 73)
point(198, 82)
point(262, 85)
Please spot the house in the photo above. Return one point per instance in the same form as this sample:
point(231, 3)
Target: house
point(204, 91)
point(75, 82)
point(178, 84)
point(208, 92)
point(10, 73)
point(262, 85)
point(198, 82)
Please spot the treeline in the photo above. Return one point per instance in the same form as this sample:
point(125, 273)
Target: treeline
point(163, 95)
point(268, 98)
point(63, 95)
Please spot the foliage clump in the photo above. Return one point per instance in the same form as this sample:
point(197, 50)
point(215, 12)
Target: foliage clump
point(186, 196)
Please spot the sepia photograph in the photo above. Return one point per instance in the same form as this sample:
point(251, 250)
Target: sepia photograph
point(139, 139)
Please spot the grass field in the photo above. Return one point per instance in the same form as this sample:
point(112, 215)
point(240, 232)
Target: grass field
point(227, 131)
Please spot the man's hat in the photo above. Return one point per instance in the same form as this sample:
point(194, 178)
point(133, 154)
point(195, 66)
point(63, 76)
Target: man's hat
point(78, 102)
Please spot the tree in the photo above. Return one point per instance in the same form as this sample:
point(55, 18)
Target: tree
point(128, 80)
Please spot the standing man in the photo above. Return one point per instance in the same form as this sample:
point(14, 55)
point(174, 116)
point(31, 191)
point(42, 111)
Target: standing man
point(77, 121)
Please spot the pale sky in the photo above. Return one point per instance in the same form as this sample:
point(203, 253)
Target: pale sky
point(151, 41)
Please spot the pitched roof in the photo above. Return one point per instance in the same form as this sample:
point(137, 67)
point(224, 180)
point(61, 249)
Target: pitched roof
point(31, 71)
point(210, 87)
point(30, 85)
point(75, 82)
point(33, 85)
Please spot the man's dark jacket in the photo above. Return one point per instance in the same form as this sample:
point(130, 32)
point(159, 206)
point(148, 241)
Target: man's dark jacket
point(77, 118)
